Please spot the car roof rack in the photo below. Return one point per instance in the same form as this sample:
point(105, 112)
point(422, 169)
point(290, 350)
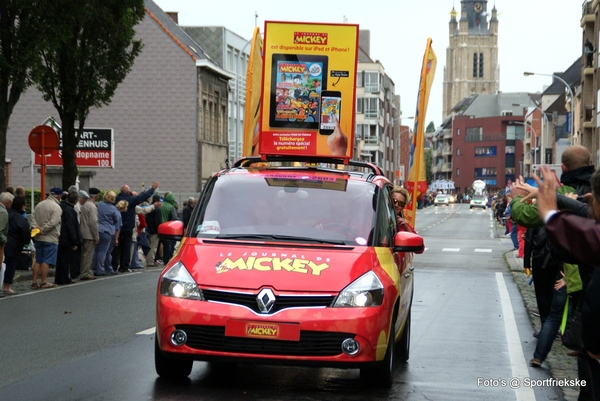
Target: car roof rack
point(250, 160)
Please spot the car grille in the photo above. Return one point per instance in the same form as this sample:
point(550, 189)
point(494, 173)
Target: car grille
point(311, 343)
point(281, 301)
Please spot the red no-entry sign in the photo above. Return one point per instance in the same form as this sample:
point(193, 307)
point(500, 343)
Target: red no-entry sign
point(43, 140)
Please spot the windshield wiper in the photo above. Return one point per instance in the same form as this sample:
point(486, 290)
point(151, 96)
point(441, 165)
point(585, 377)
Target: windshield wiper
point(267, 237)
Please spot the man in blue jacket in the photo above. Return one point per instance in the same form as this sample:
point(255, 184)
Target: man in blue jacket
point(128, 218)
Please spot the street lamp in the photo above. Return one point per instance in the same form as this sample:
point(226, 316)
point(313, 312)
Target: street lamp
point(571, 128)
point(545, 139)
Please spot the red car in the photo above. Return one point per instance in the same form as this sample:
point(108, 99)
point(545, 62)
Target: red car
point(295, 265)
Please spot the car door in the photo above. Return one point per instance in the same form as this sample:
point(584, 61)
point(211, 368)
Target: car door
point(387, 227)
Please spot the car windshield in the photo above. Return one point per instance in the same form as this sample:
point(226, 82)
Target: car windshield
point(478, 197)
point(442, 197)
point(287, 206)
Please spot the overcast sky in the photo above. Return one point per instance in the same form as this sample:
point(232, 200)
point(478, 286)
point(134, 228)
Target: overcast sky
point(534, 35)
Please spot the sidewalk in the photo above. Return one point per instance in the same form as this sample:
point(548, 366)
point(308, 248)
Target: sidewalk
point(560, 365)
point(22, 280)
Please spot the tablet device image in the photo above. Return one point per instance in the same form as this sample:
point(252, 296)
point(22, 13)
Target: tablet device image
point(296, 85)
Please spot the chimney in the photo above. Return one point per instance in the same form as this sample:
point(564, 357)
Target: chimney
point(173, 16)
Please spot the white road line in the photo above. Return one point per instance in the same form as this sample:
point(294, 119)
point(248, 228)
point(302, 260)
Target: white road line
point(483, 250)
point(518, 363)
point(450, 249)
point(151, 330)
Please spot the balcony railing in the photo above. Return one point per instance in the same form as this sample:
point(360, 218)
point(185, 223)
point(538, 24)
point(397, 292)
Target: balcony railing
point(371, 140)
point(370, 113)
point(371, 88)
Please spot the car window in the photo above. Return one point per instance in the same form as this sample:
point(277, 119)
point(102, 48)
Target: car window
point(385, 226)
point(324, 208)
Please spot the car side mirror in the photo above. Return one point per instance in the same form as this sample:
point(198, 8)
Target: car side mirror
point(171, 230)
point(405, 241)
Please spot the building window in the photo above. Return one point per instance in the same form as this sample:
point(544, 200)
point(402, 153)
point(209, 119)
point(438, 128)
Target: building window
point(480, 65)
point(485, 151)
point(370, 107)
point(359, 79)
point(457, 152)
point(359, 104)
point(485, 172)
point(474, 65)
point(371, 82)
point(514, 132)
point(474, 134)
point(457, 172)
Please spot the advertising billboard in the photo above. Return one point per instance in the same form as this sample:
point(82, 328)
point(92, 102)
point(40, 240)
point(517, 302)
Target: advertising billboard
point(308, 89)
point(95, 149)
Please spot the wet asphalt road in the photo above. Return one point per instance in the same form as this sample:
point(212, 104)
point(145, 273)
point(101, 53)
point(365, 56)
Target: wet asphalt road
point(470, 336)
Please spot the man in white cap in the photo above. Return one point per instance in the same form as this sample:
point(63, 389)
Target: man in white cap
point(89, 232)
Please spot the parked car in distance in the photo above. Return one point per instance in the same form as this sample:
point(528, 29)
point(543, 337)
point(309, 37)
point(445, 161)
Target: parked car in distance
point(441, 199)
point(478, 201)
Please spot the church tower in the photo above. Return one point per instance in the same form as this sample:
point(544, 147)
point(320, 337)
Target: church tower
point(472, 55)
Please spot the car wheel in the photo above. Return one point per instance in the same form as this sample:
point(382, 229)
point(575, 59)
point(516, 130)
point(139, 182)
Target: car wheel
point(470, 207)
point(381, 375)
point(172, 368)
point(403, 346)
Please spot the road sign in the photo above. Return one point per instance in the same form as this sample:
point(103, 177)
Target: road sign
point(95, 149)
point(43, 139)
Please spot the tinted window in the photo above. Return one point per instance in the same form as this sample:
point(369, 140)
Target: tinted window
point(308, 205)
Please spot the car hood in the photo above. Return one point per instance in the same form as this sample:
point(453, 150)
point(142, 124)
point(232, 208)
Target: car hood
point(247, 265)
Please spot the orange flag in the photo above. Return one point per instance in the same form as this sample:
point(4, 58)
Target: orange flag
point(253, 88)
point(417, 179)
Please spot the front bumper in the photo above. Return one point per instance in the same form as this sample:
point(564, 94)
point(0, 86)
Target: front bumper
point(321, 333)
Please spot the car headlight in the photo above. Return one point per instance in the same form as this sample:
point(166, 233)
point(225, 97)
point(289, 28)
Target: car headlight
point(178, 283)
point(366, 290)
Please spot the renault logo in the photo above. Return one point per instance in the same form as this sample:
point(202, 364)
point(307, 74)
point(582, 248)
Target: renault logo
point(265, 300)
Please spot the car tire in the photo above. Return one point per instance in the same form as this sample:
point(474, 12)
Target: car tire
point(403, 346)
point(171, 367)
point(382, 375)
point(470, 207)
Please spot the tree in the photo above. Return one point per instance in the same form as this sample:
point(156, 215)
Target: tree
point(90, 51)
point(19, 53)
point(428, 165)
point(430, 128)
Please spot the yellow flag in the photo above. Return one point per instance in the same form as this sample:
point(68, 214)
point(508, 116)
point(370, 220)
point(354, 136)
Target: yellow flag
point(253, 88)
point(417, 179)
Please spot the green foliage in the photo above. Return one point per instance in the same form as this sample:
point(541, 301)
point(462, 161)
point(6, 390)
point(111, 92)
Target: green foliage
point(430, 127)
point(428, 165)
point(90, 49)
point(20, 41)
point(36, 199)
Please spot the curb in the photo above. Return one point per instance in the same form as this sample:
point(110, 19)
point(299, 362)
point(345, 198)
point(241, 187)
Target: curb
point(560, 365)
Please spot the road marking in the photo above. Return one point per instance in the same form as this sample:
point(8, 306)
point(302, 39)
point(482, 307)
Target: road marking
point(151, 330)
point(451, 250)
point(518, 363)
point(483, 250)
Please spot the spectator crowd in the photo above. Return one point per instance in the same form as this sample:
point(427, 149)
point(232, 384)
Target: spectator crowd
point(83, 235)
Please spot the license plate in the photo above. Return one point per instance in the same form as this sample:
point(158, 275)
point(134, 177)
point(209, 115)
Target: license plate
point(268, 331)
